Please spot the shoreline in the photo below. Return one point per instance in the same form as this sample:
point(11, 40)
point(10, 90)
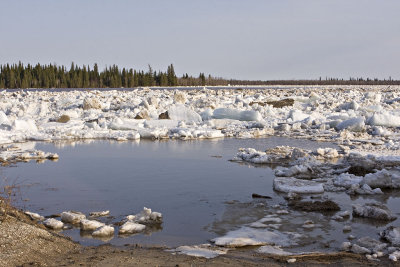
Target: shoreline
point(24, 242)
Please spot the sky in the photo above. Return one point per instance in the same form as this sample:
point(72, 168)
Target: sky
point(240, 39)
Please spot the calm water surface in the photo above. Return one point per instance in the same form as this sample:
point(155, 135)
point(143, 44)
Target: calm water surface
point(200, 193)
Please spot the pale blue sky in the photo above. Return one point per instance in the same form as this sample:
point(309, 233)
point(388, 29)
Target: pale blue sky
point(246, 39)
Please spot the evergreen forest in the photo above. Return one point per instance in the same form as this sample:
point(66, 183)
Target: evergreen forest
point(53, 76)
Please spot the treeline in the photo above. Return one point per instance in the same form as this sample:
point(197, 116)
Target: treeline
point(53, 76)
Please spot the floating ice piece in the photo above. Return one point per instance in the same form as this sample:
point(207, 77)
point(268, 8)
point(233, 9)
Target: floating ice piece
point(53, 224)
point(353, 124)
point(394, 256)
point(372, 244)
point(374, 211)
point(204, 251)
point(299, 186)
point(34, 216)
point(181, 113)
point(267, 219)
point(90, 225)
point(146, 216)
point(363, 190)
point(273, 155)
point(131, 227)
point(234, 114)
point(99, 213)
point(392, 235)
point(384, 119)
point(247, 236)
point(253, 156)
point(273, 250)
point(346, 246)
point(382, 179)
point(346, 180)
point(293, 171)
point(73, 217)
point(104, 231)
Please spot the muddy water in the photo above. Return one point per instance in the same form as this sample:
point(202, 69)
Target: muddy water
point(200, 193)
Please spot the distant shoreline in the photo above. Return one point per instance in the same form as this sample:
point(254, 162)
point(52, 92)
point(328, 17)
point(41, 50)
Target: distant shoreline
point(212, 87)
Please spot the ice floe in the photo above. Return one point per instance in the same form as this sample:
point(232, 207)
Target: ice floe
point(53, 224)
point(34, 216)
point(246, 236)
point(131, 228)
point(72, 217)
point(99, 213)
point(146, 216)
point(104, 231)
point(90, 225)
point(373, 211)
point(300, 186)
point(203, 251)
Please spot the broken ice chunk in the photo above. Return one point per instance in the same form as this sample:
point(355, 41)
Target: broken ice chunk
point(90, 225)
point(53, 224)
point(99, 213)
point(104, 231)
point(299, 186)
point(72, 217)
point(131, 227)
point(374, 211)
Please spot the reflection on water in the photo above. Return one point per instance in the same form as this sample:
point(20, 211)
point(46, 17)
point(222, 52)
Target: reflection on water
point(200, 193)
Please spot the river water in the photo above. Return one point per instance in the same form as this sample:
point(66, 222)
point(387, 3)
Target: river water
point(200, 193)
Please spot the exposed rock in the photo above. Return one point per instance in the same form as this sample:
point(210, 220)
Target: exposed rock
point(281, 103)
point(63, 119)
point(326, 205)
point(164, 116)
point(254, 195)
point(359, 170)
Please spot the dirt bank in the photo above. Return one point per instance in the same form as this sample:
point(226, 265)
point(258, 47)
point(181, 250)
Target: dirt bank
point(25, 243)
